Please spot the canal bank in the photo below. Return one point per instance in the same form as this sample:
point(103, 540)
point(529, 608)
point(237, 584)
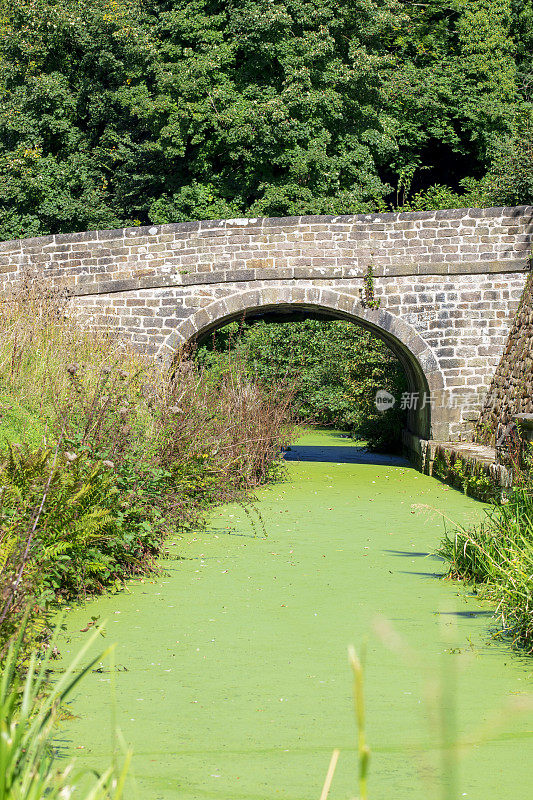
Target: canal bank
point(232, 677)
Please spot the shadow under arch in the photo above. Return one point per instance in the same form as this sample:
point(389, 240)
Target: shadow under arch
point(418, 360)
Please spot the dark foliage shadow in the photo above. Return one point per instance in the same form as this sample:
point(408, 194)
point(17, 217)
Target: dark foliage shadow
point(411, 553)
point(465, 613)
point(343, 455)
point(436, 575)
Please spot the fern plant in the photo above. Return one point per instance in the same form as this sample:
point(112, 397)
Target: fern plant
point(75, 508)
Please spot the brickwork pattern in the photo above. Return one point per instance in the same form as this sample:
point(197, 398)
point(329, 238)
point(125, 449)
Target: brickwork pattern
point(448, 282)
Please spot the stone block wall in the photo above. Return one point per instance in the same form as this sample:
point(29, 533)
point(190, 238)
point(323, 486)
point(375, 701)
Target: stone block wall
point(464, 241)
point(453, 279)
point(511, 388)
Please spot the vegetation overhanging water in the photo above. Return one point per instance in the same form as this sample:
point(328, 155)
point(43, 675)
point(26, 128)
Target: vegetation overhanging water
point(232, 677)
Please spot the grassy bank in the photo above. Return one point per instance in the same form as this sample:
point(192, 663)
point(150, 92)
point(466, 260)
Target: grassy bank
point(496, 559)
point(104, 452)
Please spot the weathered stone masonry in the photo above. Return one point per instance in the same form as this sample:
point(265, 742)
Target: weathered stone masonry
point(449, 284)
point(511, 389)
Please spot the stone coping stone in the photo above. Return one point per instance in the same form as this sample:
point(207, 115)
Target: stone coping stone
point(513, 212)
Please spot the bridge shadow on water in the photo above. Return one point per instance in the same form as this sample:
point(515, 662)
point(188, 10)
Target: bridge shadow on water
point(342, 454)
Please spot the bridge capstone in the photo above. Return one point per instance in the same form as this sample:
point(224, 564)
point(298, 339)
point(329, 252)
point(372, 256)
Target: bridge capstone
point(448, 284)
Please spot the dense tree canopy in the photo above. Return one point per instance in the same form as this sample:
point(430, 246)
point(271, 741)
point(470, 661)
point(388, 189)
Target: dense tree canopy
point(122, 112)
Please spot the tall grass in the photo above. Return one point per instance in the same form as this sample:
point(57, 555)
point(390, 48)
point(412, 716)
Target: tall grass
point(442, 707)
point(363, 750)
point(236, 425)
point(105, 451)
point(92, 387)
point(496, 557)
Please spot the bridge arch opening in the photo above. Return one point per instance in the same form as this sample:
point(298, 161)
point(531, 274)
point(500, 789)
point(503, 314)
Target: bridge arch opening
point(421, 368)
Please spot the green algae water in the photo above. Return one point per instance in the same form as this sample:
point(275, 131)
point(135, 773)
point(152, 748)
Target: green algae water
point(232, 677)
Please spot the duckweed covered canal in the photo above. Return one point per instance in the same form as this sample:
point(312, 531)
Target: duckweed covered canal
point(233, 680)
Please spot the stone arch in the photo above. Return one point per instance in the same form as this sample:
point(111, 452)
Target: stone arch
point(420, 364)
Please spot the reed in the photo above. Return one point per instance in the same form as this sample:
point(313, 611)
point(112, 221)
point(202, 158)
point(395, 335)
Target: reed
point(496, 559)
point(363, 751)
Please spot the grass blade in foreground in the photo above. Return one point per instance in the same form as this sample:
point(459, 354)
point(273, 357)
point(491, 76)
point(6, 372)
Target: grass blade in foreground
point(359, 699)
point(28, 716)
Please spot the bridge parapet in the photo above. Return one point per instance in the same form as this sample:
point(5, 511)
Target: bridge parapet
point(464, 241)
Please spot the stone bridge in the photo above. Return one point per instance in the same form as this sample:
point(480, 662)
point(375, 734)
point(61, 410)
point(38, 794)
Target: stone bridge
point(446, 287)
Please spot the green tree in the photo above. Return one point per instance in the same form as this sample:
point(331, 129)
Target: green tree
point(122, 112)
point(69, 119)
point(451, 91)
point(276, 106)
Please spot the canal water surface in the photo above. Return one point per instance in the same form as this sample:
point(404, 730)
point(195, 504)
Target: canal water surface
point(233, 681)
